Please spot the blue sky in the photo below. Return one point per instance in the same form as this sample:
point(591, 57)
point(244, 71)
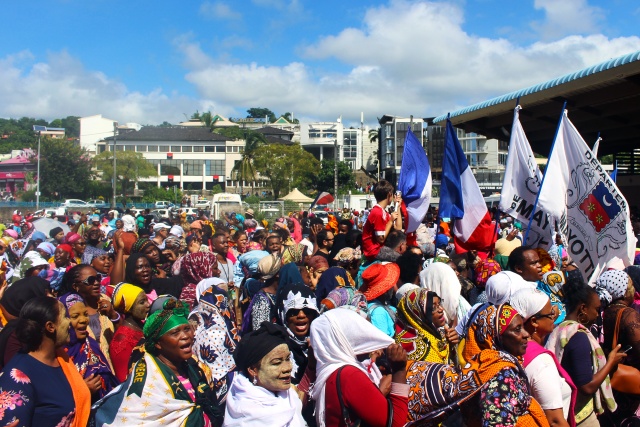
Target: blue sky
point(146, 61)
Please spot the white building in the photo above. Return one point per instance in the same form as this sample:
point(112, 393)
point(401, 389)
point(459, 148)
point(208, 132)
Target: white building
point(94, 129)
point(190, 157)
point(321, 139)
point(393, 131)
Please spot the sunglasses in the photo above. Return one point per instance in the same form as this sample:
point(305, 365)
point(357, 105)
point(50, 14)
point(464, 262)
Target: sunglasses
point(91, 280)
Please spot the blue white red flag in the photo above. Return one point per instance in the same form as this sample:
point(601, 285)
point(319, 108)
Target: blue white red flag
point(323, 198)
point(575, 186)
point(461, 198)
point(415, 181)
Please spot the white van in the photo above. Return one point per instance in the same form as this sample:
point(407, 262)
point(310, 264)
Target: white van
point(223, 203)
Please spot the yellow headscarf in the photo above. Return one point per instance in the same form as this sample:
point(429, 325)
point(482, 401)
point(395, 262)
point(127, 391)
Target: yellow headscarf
point(124, 295)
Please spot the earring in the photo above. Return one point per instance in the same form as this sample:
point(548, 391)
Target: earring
point(580, 321)
point(255, 380)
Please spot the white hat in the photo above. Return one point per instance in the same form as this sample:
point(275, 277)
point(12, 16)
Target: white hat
point(159, 226)
point(177, 231)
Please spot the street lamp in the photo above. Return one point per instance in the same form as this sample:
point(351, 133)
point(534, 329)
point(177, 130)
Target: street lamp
point(38, 129)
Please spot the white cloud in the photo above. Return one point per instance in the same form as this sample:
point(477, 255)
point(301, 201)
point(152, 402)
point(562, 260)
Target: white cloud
point(404, 58)
point(219, 10)
point(567, 17)
point(61, 86)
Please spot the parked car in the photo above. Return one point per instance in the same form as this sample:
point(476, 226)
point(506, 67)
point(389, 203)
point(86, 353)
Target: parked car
point(136, 211)
point(162, 213)
point(203, 204)
point(76, 203)
point(97, 203)
point(162, 204)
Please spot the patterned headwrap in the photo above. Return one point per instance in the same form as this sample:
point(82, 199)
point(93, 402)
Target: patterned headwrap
point(140, 245)
point(546, 261)
point(67, 248)
point(555, 281)
point(505, 317)
point(484, 270)
point(173, 314)
point(346, 255)
point(71, 237)
point(176, 244)
point(612, 285)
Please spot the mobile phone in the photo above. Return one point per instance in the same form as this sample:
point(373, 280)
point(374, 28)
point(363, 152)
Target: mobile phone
point(627, 349)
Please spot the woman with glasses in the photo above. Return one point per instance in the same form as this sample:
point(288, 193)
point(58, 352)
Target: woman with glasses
point(78, 244)
point(84, 280)
point(550, 384)
point(421, 327)
point(166, 387)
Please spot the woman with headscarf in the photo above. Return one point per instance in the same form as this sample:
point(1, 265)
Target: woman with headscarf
point(551, 385)
point(263, 304)
point(78, 244)
point(347, 387)
point(571, 341)
point(195, 268)
point(132, 303)
point(491, 389)
point(42, 387)
point(85, 351)
point(334, 277)
point(379, 282)
point(160, 265)
point(31, 265)
point(216, 335)
point(347, 297)
point(418, 327)
point(261, 392)
point(441, 279)
point(483, 271)
point(620, 320)
point(316, 265)
point(297, 308)
point(166, 385)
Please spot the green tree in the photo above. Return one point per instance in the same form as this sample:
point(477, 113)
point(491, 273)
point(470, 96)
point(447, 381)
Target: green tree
point(261, 113)
point(152, 193)
point(287, 116)
point(233, 132)
point(130, 168)
point(244, 169)
point(285, 166)
point(65, 169)
point(325, 179)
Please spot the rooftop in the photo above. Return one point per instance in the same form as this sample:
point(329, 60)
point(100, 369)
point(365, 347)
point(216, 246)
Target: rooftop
point(170, 133)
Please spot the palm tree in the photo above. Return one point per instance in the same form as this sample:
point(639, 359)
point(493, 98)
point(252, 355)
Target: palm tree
point(244, 169)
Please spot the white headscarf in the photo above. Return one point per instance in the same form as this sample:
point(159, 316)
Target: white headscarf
point(337, 337)
point(129, 223)
point(502, 285)
point(205, 284)
point(441, 279)
point(250, 405)
point(177, 231)
point(528, 302)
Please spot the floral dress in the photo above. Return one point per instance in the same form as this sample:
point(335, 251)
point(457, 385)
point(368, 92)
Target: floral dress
point(504, 398)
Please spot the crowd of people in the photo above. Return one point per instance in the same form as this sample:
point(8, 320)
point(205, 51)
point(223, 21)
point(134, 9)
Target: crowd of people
point(234, 321)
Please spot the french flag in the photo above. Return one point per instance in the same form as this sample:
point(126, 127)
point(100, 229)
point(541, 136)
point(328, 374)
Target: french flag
point(323, 198)
point(415, 181)
point(461, 199)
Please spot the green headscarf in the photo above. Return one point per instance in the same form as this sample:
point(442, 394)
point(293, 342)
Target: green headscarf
point(173, 314)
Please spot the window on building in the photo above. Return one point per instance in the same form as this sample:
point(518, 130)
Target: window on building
point(129, 148)
point(176, 148)
point(141, 148)
point(163, 148)
point(119, 147)
point(314, 133)
point(101, 148)
point(187, 149)
point(153, 148)
point(209, 149)
point(220, 148)
point(214, 167)
point(198, 148)
point(170, 167)
point(192, 167)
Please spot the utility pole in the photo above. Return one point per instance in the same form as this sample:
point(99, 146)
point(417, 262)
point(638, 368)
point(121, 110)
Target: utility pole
point(115, 175)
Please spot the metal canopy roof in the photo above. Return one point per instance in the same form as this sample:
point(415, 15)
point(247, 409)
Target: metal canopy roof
point(603, 98)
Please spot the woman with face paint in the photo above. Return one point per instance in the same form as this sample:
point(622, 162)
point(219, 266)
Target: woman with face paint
point(42, 387)
point(131, 302)
point(166, 382)
point(261, 393)
point(85, 351)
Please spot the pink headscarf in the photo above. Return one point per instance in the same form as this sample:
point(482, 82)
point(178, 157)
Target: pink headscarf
point(71, 238)
point(297, 230)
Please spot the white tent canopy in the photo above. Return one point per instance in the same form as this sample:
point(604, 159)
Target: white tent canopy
point(296, 196)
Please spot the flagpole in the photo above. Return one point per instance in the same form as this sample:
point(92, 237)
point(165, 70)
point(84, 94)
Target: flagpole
point(535, 205)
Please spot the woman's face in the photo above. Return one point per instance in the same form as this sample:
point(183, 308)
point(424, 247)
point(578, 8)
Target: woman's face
point(437, 313)
point(515, 337)
point(545, 319)
point(140, 307)
point(88, 283)
point(153, 253)
point(34, 271)
point(274, 372)
point(79, 317)
point(79, 247)
point(119, 224)
point(62, 327)
point(298, 323)
point(60, 257)
point(44, 253)
point(176, 344)
point(242, 241)
point(102, 263)
point(142, 271)
point(591, 310)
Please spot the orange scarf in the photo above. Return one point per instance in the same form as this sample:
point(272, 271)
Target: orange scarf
point(81, 393)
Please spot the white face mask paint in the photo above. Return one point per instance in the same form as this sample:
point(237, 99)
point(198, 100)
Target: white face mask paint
point(274, 372)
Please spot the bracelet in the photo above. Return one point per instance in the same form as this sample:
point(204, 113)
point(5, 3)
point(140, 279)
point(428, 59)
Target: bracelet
point(117, 319)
